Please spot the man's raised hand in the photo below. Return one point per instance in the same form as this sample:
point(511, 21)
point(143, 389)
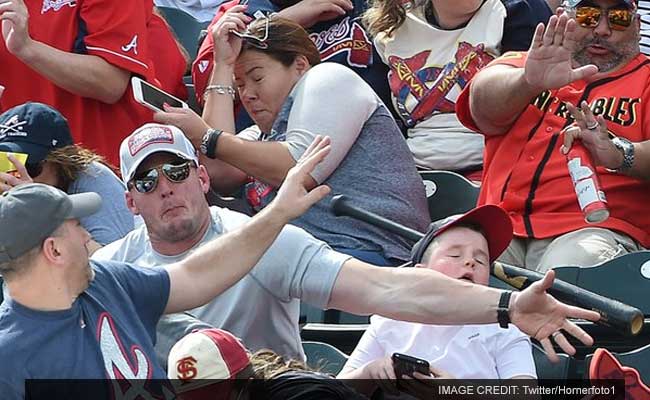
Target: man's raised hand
point(549, 63)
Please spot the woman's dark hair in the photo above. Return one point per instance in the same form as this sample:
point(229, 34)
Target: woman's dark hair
point(285, 42)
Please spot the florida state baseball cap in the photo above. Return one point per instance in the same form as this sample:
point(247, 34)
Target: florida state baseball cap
point(203, 358)
point(149, 139)
point(494, 222)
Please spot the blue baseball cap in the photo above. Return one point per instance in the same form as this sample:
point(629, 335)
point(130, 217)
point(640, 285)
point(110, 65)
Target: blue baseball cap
point(31, 212)
point(34, 129)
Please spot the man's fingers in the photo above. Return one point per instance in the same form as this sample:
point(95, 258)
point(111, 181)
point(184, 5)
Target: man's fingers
point(318, 143)
point(547, 40)
point(537, 37)
point(547, 282)
point(550, 351)
point(570, 134)
point(558, 37)
point(581, 313)
point(308, 164)
point(564, 344)
point(19, 167)
point(577, 332)
point(590, 119)
point(578, 116)
point(583, 72)
point(317, 194)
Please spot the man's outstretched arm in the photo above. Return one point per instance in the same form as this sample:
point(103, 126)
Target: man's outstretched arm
point(218, 265)
point(429, 297)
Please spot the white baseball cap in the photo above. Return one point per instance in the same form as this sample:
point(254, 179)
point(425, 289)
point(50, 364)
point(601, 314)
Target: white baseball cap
point(149, 139)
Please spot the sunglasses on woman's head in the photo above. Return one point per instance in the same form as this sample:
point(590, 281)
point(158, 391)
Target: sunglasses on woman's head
point(589, 17)
point(147, 181)
point(255, 41)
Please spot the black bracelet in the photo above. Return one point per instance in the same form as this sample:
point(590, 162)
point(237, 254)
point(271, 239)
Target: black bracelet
point(503, 317)
point(209, 143)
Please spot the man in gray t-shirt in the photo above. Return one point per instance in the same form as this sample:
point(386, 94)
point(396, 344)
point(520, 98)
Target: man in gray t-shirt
point(263, 307)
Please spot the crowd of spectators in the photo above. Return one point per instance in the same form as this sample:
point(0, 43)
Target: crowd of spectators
point(115, 255)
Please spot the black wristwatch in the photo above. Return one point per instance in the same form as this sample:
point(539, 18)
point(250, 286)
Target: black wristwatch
point(627, 149)
point(503, 316)
point(209, 143)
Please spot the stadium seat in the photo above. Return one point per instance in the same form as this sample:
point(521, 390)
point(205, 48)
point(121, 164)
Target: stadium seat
point(448, 193)
point(625, 278)
point(548, 370)
point(324, 357)
point(185, 26)
point(638, 359)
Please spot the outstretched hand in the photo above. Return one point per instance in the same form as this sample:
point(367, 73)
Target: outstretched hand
point(541, 316)
point(293, 198)
point(549, 63)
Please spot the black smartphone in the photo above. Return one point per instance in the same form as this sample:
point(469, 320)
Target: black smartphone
point(406, 365)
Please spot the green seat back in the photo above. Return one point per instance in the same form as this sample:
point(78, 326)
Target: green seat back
point(625, 278)
point(185, 26)
point(448, 193)
point(324, 357)
point(548, 370)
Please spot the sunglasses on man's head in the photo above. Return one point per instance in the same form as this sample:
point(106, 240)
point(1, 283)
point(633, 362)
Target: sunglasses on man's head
point(589, 17)
point(147, 181)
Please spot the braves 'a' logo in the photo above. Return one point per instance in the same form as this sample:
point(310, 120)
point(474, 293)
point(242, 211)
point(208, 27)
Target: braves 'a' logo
point(421, 90)
point(186, 368)
point(132, 45)
point(56, 5)
point(345, 37)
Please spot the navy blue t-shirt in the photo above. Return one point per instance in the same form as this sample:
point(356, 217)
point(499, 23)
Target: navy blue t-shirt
point(108, 333)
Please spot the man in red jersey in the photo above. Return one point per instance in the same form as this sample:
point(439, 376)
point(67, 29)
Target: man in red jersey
point(77, 56)
point(583, 78)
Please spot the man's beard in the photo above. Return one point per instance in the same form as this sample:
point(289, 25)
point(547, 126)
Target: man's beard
point(617, 57)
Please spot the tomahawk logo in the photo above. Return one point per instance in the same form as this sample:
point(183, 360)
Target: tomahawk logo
point(129, 372)
point(132, 45)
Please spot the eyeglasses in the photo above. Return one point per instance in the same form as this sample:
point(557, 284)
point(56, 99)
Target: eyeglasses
point(255, 41)
point(147, 181)
point(589, 17)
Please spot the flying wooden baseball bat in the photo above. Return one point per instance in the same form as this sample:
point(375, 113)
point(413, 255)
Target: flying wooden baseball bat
point(619, 316)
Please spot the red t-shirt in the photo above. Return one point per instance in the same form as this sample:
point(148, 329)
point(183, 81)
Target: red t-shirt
point(525, 173)
point(112, 30)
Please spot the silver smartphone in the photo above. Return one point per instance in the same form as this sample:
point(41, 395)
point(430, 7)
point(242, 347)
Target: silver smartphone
point(153, 97)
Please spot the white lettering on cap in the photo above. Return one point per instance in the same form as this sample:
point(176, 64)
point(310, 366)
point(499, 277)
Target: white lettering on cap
point(148, 136)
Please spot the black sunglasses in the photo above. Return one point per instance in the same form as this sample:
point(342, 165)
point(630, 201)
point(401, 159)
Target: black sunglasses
point(619, 18)
point(147, 181)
